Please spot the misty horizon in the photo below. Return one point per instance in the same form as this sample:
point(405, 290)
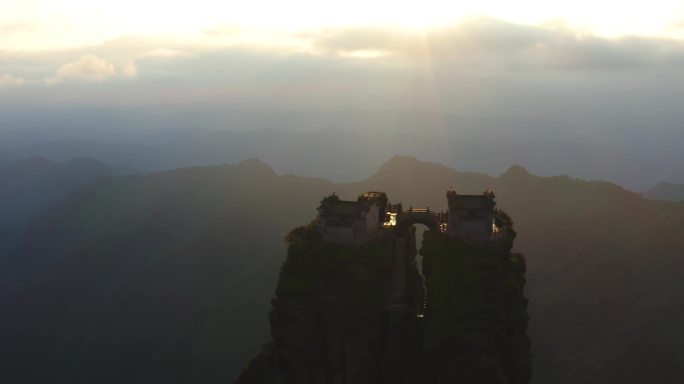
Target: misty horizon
point(476, 79)
point(352, 192)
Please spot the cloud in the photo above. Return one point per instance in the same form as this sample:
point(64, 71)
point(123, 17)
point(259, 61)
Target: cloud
point(222, 30)
point(87, 68)
point(128, 69)
point(10, 81)
point(472, 36)
point(486, 43)
point(16, 28)
point(476, 45)
point(164, 53)
point(475, 66)
point(90, 68)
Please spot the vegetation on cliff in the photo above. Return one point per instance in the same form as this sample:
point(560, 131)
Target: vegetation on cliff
point(326, 319)
point(604, 273)
point(311, 262)
point(330, 320)
point(476, 319)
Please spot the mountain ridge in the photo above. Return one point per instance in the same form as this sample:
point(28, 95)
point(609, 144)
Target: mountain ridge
point(346, 154)
point(666, 191)
point(213, 235)
point(29, 185)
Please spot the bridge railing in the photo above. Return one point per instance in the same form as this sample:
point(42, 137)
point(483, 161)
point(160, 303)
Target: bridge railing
point(419, 215)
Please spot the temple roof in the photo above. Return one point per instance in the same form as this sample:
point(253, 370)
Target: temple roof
point(342, 209)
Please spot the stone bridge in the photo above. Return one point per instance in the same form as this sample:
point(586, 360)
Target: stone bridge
point(433, 220)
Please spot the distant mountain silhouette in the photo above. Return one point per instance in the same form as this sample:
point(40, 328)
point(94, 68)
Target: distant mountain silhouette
point(602, 269)
point(162, 276)
point(666, 191)
point(30, 185)
point(345, 155)
point(677, 176)
point(168, 276)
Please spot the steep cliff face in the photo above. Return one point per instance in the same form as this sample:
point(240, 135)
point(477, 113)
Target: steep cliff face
point(476, 318)
point(344, 315)
point(356, 315)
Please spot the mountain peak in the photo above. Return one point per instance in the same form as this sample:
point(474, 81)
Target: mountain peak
point(515, 170)
point(87, 164)
point(666, 191)
point(403, 159)
point(31, 165)
point(404, 163)
point(254, 165)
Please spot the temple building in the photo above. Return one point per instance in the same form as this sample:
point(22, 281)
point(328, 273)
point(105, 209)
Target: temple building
point(472, 219)
point(351, 221)
point(472, 216)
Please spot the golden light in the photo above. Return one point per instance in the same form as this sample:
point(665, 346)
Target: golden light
point(43, 24)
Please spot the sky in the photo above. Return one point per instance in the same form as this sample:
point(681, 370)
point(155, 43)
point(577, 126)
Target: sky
point(70, 37)
point(49, 24)
point(96, 41)
point(606, 71)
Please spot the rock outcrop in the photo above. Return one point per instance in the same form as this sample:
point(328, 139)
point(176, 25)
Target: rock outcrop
point(476, 315)
point(357, 315)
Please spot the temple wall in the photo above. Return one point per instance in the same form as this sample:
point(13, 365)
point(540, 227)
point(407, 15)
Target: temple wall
point(340, 231)
point(476, 226)
point(372, 218)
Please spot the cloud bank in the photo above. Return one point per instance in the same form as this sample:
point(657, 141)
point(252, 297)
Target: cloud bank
point(526, 82)
point(498, 44)
point(477, 67)
point(9, 80)
point(471, 46)
point(90, 68)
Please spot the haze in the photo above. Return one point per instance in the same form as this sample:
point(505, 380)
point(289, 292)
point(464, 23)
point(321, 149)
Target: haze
point(154, 156)
point(593, 90)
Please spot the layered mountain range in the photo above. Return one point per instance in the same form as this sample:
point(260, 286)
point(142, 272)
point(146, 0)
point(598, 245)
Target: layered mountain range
point(30, 185)
point(169, 276)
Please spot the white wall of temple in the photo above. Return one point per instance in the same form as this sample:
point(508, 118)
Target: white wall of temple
point(372, 217)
